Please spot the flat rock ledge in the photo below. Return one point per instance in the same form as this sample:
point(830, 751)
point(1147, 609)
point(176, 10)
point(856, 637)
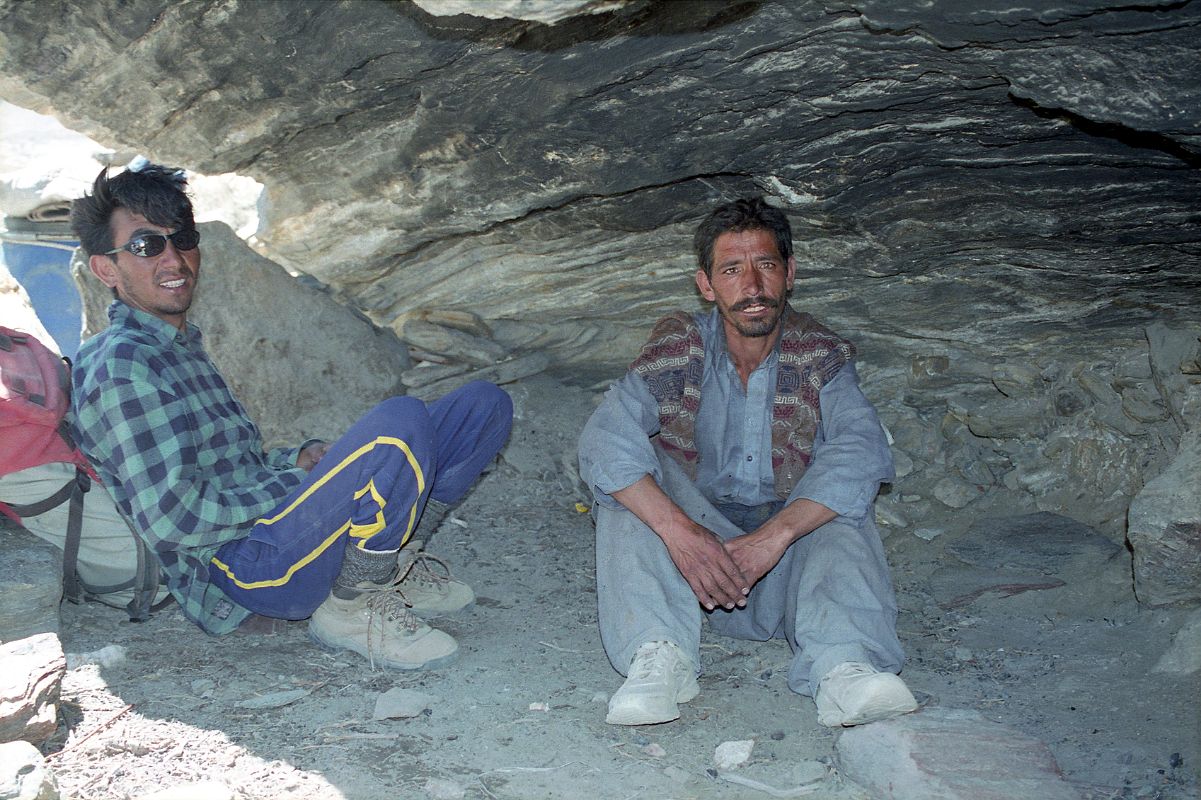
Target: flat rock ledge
point(949, 754)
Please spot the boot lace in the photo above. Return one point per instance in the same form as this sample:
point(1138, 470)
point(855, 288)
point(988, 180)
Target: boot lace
point(424, 570)
point(388, 607)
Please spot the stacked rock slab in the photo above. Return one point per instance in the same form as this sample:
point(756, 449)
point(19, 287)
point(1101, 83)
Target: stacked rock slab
point(32, 663)
point(1165, 530)
point(453, 348)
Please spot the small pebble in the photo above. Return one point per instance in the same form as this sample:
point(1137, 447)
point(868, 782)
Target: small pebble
point(654, 750)
point(106, 656)
point(730, 755)
point(778, 736)
point(400, 703)
point(539, 707)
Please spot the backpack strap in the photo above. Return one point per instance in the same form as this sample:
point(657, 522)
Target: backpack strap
point(146, 580)
point(145, 584)
point(72, 585)
point(42, 506)
point(72, 491)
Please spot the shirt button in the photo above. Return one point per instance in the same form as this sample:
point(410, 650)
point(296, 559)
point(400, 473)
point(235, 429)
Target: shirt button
point(750, 458)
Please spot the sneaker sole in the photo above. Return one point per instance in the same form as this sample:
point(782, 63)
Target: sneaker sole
point(642, 716)
point(404, 666)
point(631, 715)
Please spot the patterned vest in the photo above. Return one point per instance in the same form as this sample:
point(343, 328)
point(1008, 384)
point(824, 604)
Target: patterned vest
point(672, 363)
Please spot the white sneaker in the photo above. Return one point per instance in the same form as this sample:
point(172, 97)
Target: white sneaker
point(660, 678)
point(425, 582)
point(378, 625)
point(854, 694)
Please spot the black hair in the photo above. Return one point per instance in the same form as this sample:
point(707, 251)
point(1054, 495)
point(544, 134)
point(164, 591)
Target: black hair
point(156, 192)
point(745, 214)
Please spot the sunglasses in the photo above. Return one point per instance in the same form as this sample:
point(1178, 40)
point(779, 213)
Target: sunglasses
point(148, 245)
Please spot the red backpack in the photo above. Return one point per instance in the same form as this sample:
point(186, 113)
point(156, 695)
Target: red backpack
point(35, 395)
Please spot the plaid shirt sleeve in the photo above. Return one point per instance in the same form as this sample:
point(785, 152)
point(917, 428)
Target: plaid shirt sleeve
point(284, 457)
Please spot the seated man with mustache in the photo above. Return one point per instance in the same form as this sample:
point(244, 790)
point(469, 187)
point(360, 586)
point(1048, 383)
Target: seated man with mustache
point(734, 469)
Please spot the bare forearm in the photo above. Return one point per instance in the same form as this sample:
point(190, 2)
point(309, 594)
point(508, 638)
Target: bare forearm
point(795, 520)
point(697, 552)
point(650, 504)
point(760, 550)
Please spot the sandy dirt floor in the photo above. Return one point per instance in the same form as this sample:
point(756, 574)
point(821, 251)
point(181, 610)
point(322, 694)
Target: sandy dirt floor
point(521, 713)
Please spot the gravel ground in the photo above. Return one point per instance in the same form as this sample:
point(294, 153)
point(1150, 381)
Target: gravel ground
point(521, 713)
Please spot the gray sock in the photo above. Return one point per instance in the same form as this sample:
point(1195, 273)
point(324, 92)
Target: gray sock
point(435, 512)
point(363, 566)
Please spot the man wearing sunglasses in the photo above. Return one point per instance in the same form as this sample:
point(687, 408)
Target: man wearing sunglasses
point(321, 531)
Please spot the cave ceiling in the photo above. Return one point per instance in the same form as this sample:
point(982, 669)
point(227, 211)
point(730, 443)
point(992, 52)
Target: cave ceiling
point(958, 173)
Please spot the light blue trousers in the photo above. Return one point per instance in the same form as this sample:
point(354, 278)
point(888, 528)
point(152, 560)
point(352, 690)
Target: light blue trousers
point(830, 595)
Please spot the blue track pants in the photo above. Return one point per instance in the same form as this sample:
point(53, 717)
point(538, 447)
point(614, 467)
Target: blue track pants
point(367, 491)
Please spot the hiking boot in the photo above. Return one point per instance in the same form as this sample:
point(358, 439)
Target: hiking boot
point(378, 625)
point(427, 586)
point(660, 678)
point(854, 694)
point(367, 613)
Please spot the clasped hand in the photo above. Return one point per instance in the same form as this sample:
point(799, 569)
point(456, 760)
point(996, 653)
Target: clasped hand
point(721, 573)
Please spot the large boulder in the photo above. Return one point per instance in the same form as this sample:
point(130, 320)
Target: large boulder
point(1165, 530)
point(24, 774)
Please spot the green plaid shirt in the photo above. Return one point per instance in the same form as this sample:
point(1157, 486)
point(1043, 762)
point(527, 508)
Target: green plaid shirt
point(176, 451)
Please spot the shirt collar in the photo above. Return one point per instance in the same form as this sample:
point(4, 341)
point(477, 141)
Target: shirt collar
point(121, 313)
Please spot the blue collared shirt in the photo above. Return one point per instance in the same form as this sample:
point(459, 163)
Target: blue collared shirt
point(733, 436)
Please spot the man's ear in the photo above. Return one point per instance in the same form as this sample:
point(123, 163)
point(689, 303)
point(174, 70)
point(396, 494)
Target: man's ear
point(791, 272)
point(105, 269)
point(705, 286)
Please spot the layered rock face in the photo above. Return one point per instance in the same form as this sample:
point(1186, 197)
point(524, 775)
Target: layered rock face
point(997, 201)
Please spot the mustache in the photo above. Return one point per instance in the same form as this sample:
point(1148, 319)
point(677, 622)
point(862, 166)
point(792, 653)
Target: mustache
point(758, 300)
